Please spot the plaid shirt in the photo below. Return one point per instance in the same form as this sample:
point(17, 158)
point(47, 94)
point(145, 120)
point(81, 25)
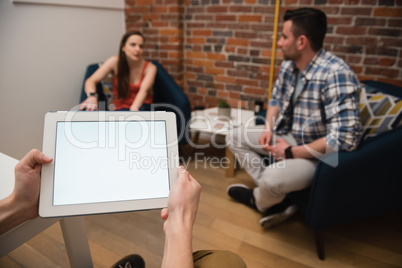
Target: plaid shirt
point(328, 105)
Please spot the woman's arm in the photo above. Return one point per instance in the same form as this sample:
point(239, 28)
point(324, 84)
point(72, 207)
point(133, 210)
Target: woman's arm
point(146, 85)
point(109, 66)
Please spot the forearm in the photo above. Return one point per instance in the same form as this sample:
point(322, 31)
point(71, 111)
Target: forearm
point(178, 247)
point(90, 86)
point(271, 117)
point(310, 150)
point(139, 99)
point(12, 215)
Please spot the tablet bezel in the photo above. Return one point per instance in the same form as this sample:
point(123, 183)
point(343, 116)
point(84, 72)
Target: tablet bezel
point(46, 207)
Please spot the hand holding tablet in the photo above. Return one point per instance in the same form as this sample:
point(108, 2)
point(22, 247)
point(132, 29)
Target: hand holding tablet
point(107, 162)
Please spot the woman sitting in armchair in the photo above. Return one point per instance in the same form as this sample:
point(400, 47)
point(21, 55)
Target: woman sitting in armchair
point(133, 77)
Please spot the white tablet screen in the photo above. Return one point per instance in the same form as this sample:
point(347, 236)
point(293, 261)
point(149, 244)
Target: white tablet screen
point(110, 161)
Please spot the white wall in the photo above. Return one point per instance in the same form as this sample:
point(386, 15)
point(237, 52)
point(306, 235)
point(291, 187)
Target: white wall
point(44, 52)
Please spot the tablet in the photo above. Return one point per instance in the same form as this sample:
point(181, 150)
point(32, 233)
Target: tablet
point(107, 162)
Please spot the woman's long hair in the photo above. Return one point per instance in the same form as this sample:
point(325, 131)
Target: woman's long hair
point(123, 70)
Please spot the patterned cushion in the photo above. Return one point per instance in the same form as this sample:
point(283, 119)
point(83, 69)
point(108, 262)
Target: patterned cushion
point(380, 112)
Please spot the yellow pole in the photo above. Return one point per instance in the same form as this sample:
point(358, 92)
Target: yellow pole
point(273, 53)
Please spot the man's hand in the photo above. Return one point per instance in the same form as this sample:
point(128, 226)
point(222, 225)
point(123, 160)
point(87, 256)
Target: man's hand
point(278, 149)
point(265, 139)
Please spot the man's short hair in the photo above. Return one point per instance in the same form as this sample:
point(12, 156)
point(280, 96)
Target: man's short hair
point(309, 22)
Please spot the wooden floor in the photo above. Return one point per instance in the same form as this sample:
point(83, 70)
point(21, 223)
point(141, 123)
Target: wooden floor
point(223, 224)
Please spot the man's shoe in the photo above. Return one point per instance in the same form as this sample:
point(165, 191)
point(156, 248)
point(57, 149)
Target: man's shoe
point(130, 261)
point(242, 193)
point(278, 213)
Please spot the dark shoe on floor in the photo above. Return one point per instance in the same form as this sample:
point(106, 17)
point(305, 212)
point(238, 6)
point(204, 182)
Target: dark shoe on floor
point(278, 213)
point(242, 193)
point(130, 261)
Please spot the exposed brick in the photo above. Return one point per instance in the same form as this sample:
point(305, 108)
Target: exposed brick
point(242, 9)
point(223, 33)
point(348, 49)
point(334, 39)
point(196, 40)
point(371, 61)
point(382, 51)
point(143, 2)
point(370, 22)
point(262, 44)
point(391, 42)
point(388, 12)
point(216, 56)
point(387, 61)
point(260, 60)
point(369, 41)
point(356, 69)
point(238, 42)
point(256, 91)
point(223, 94)
point(224, 64)
point(225, 79)
point(356, 11)
point(204, 17)
point(247, 82)
point(212, 93)
point(238, 58)
point(214, 71)
point(202, 91)
point(385, 32)
point(351, 30)
point(250, 18)
point(202, 32)
point(353, 59)
point(204, 63)
point(217, 9)
point(225, 18)
point(191, 54)
point(339, 20)
point(248, 35)
point(392, 73)
point(242, 51)
point(231, 87)
point(394, 22)
point(386, 2)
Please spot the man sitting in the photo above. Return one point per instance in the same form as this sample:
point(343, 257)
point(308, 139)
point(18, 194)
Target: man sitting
point(314, 110)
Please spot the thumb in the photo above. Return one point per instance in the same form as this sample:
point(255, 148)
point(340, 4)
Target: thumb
point(164, 213)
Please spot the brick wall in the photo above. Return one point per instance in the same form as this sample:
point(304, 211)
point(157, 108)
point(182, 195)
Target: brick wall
point(222, 48)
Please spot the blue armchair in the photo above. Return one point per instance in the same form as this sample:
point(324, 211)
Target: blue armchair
point(167, 95)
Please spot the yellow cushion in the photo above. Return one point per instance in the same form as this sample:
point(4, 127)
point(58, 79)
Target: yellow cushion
point(379, 112)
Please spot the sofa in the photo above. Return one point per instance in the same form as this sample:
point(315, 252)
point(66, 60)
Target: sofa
point(167, 96)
